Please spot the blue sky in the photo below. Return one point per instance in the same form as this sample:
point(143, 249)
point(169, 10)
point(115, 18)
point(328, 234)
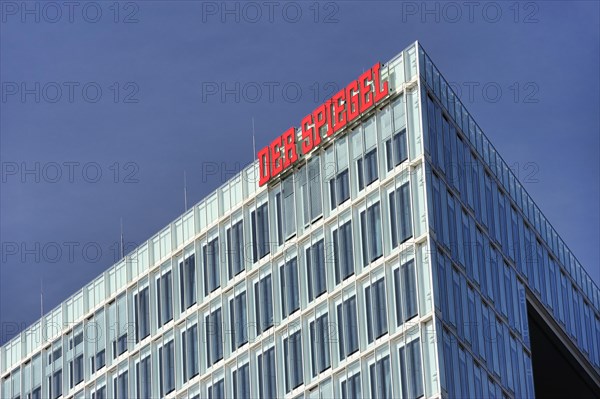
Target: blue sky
point(125, 106)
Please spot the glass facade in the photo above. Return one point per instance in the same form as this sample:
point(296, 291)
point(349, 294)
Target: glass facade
point(395, 261)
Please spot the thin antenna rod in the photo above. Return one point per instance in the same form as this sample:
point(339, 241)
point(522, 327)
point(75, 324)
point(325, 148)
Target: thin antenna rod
point(253, 140)
point(122, 241)
point(43, 334)
point(41, 297)
point(185, 191)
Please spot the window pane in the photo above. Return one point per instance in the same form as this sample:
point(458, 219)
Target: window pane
point(187, 282)
point(320, 357)
point(289, 207)
point(164, 298)
point(380, 376)
point(266, 374)
point(290, 298)
point(239, 321)
point(263, 305)
point(370, 223)
point(347, 327)
point(314, 181)
point(315, 270)
point(241, 382)
point(343, 252)
point(376, 310)
point(212, 270)
point(292, 347)
point(235, 249)
point(411, 373)
point(214, 337)
point(217, 390)
point(406, 292)
point(142, 314)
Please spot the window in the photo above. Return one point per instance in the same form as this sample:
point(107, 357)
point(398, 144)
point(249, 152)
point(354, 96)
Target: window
point(120, 387)
point(462, 181)
point(514, 368)
point(189, 351)
point(405, 286)
point(142, 314)
point(488, 333)
point(266, 374)
point(100, 393)
point(376, 310)
point(239, 320)
point(263, 304)
point(290, 293)
point(350, 387)
point(471, 324)
point(187, 282)
point(478, 382)
point(502, 221)
point(466, 238)
point(55, 354)
point(76, 371)
point(143, 379)
point(343, 252)
point(241, 382)
point(119, 346)
point(515, 246)
point(76, 364)
point(292, 353)
point(347, 327)
point(396, 149)
point(310, 184)
point(260, 232)
point(338, 174)
point(279, 218)
point(437, 217)
point(98, 361)
point(217, 390)
point(117, 322)
point(319, 345)
point(367, 169)
point(370, 228)
point(77, 340)
point(445, 124)
point(164, 298)
point(235, 249)
point(489, 204)
point(315, 270)
point(411, 374)
point(212, 274)
point(381, 378)
point(452, 238)
point(166, 367)
point(97, 352)
point(462, 372)
point(400, 215)
point(214, 337)
point(289, 207)
point(475, 183)
point(55, 384)
point(339, 188)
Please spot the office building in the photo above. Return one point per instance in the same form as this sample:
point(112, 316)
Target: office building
point(381, 249)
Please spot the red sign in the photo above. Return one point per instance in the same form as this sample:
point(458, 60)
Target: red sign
point(327, 120)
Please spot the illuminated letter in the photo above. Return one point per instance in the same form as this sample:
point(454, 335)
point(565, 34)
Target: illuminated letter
point(307, 134)
point(276, 161)
point(289, 146)
point(339, 110)
point(263, 166)
point(352, 110)
point(379, 92)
